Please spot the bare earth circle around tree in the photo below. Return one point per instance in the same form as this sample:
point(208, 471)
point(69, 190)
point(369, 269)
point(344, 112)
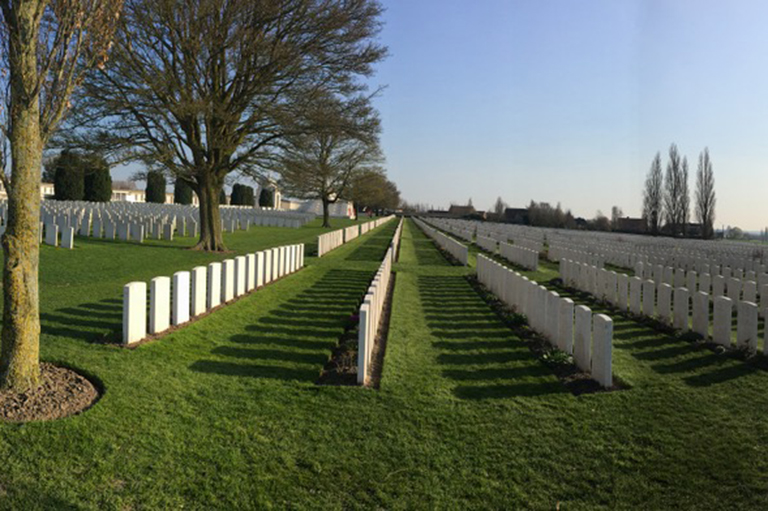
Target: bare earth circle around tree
point(62, 393)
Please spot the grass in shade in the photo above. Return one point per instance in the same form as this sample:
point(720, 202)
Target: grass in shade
point(225, 413)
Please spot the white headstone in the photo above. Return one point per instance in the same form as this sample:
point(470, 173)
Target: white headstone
point(718, 286)
point(227, 280)
point(623, 290)
point(649, 298)
point(137, 233)
point(635, 286)
point(134, 312)
point(552, 319)
point(267, 266)
point(260, 261)
point(705, 283)
point(199, 281)
point(602, 350)
point(565, 326)
point(682, 309)
point(746, 326)
point(701, 314)
point(250, 270)
point(52, 235)
point(734, 289)
point(68, 238)
point(582, 342)
point(214, 285)
point(665, 304)
point(180, 312)
point(159, 304)
point(240, 275)
point(690, 281)
point(721, 330)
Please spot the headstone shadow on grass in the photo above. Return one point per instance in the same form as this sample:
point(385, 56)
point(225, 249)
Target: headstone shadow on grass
point(504, 391)
point(373, 248)
point(294, 340)
point(96, 322)
point(427, 254)
point(485, 359)
point(720, 375)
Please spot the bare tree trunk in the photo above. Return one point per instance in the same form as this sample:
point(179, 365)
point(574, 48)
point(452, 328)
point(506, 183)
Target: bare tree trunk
point(326, 213)
point(211, 239)
point(19, 356)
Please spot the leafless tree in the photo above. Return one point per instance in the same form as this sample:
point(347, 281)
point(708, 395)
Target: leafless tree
point(207, 88)
point(684, 201)
point(616, 214)
point(323, 163)
point(705, 195)
point(676, 192)
point(46, 47)
point(653, 204)
point(499, 207)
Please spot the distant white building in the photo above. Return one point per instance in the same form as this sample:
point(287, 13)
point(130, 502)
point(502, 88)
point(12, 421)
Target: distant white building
point(122, 195)
point(339, 209)
point(47, 191)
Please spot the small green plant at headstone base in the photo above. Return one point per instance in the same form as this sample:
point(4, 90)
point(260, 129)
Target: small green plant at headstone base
point(556, 357)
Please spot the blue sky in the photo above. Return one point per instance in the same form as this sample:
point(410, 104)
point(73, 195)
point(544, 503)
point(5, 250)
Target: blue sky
point(568, 101)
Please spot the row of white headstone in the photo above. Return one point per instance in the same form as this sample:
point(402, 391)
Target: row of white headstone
point(53, 211)
point(459, 251)
point(370, 312)
point(670, 305)
point(49, 234)
point(487, 243)
point(334, 239)
point(351, 232)
point(522, 256)
point(137, 221)
point(454, 228)
point(559, 251)
point(621, 249)
point(519, 255)
point(572, 329)
point(190, 294)
point(734, 287)
point(520, 235)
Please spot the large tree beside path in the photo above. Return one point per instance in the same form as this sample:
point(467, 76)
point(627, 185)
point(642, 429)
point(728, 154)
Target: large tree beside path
point(206, 88)
point(46, 46)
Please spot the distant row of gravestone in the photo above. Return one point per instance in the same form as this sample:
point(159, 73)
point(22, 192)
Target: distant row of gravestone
point(62, 220)
point(334, 239)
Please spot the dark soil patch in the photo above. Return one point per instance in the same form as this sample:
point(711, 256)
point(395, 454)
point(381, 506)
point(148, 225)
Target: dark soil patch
point(341, 368)
point(62, 392)
point(560, 363)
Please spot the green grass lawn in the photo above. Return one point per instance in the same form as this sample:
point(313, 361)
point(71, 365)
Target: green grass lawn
point(225, 413)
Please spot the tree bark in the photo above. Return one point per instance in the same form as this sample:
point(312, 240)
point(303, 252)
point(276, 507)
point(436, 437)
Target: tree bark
point(211, 239)
point(326, 213)
point(19, 355)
